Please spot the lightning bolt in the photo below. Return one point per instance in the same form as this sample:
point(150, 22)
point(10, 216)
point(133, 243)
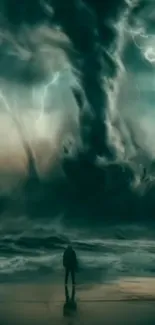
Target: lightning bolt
point(43, 96)
point(14, 116)
point(9, 110)
point(15, 119)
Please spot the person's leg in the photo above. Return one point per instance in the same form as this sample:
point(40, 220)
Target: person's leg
point(66, 275)
point(73, 276)
point(66, 293)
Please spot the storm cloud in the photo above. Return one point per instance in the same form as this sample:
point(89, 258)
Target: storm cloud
point(101, 57)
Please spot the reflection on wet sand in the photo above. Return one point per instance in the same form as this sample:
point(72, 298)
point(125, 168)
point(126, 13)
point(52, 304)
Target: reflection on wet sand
point(70, 306)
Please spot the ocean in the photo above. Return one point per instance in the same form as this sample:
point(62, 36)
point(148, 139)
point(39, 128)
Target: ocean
point(34, 250)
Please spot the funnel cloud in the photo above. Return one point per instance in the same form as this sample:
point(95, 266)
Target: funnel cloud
point(80, 77)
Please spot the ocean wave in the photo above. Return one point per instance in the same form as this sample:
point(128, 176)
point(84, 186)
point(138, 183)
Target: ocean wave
point(116, 259)
point(36, 240)
point(38, 249)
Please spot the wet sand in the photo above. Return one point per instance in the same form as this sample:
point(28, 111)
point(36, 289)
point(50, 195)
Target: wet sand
point(127, 301)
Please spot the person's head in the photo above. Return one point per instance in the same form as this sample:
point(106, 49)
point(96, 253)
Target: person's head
point(69, 247)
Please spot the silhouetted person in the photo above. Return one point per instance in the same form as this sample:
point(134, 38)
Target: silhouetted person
point(70, 264)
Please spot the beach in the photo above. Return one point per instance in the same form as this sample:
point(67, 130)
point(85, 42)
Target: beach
point(126, 301)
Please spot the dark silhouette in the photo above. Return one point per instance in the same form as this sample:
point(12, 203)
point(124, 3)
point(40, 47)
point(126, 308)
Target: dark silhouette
point(72, 298)
point(70, 264)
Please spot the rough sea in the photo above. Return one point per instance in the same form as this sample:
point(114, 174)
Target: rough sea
point(33, 251)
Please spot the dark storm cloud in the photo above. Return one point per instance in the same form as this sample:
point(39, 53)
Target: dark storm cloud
point(105, 190)
point(88, 24)
point(95, 54)
point(90, 27)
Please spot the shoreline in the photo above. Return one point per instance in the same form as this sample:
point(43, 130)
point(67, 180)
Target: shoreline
point(128, 288)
